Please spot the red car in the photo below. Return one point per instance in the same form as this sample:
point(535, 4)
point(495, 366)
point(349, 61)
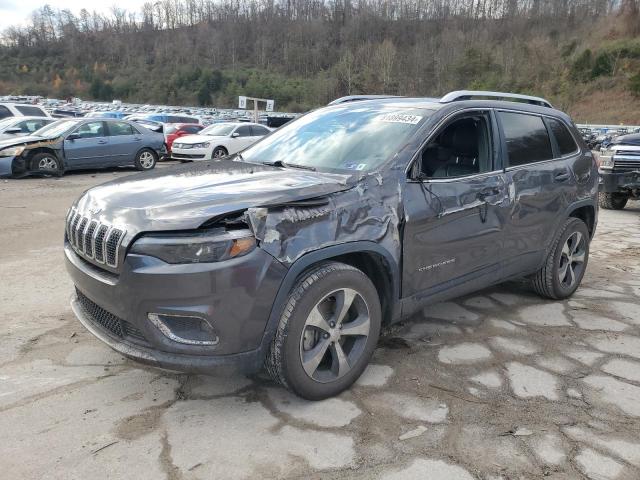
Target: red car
point(176, 130)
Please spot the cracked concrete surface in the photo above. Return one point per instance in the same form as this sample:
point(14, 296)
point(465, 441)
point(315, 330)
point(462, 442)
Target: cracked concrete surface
point(500, 384)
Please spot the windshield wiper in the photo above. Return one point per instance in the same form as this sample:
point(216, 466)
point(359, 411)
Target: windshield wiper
point(280, 163)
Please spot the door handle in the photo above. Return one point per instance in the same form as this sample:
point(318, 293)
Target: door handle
point(561, 176)
point(137, 139)
point(102, 142)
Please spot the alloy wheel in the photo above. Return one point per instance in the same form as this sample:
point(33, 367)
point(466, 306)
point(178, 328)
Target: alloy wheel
point(335, 335)
point(219, 153)
point(47, 163)
point(146, 160)
point(572, 260)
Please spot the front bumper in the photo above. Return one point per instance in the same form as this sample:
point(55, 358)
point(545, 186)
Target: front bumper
point(192, 154)
point(614, 182)
point(234, 296)
point(6, 166)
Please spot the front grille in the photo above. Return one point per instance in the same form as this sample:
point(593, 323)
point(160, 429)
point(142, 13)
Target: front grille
point(186, 155)
point(92, 239)
point(98, 315)
point(626, 165)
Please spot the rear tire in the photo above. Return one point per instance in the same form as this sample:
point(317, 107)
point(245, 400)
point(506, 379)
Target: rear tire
point(564, 268)
point(146, 159)
point(327, 333)
point(613, 201)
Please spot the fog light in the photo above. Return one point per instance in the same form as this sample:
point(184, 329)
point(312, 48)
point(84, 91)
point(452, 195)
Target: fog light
point(185, 328)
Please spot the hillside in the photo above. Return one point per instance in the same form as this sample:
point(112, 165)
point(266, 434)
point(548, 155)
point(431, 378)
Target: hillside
point(584, 55)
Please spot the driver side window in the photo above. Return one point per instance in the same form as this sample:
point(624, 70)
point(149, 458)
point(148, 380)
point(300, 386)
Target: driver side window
point(91, 130)
point(460, 149)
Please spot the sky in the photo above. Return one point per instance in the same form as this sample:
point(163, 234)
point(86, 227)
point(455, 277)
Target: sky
point(16, 12)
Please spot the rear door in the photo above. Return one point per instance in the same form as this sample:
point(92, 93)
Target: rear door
point(124, 142)
point(242, 140)
point(257, 132)
point(91, 149)
point(455, 209)
point(536, 189)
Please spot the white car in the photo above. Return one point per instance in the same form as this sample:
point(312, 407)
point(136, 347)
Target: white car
point(21, 110)
point(217, 141)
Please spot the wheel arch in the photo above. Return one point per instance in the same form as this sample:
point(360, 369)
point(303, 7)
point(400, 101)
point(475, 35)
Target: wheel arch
point(375, 261)
point(33, 152)
point(587, 212)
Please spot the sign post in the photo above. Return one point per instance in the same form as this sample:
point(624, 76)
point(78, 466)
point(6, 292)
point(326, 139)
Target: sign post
point(242, 103)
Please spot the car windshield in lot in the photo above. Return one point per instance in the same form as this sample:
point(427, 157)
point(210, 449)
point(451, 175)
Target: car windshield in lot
point(56, 129)
point(340, 139)
point(218, 130)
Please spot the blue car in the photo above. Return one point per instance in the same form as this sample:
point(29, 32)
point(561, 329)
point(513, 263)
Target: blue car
point(74, 144)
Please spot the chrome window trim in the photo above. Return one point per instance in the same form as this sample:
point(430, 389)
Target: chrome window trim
point(430, 136)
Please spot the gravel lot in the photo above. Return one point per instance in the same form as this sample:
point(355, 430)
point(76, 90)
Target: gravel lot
point(501, 384)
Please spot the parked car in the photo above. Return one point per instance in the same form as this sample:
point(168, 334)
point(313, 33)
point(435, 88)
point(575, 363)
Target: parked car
point(116, 115)
point(620, 172)
point(21, 110)
point(12, 127)
point(177, 130)
point(295, 253)
point(164, 118)
point(80, 144)
point(217, 141)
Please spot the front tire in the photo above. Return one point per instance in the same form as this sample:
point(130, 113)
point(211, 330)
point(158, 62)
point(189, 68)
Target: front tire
point(47, 163)
point(327, 332)
point(218, 153)
point(146, 159)
point(612, 201)
point(566, 262)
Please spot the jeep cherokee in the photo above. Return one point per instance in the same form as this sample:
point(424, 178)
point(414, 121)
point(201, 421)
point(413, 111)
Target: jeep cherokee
point(293, 254)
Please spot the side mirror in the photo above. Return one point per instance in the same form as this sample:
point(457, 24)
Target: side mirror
point(235, 135)
point(73, 136)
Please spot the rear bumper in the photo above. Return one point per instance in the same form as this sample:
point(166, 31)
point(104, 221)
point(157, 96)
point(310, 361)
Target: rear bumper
point(614, 182)
point(235, 297)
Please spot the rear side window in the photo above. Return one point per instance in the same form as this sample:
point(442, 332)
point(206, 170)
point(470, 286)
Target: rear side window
point(526, 137)
point(191, 129)
point(118, 129)
point(244, 131)
point(5, 112)
point(566, 143)
point(259, 131)
point(30, 111)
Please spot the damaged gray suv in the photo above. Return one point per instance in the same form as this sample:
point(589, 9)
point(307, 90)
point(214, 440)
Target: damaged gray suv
point(293, 254)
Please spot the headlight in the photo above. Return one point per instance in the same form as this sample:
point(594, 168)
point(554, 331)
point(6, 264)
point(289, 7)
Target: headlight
point(201, 145)
point(206, 247)
point(606, 159)
point(11, 151)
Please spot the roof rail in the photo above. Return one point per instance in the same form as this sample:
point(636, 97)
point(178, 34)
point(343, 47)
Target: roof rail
point(512, 97)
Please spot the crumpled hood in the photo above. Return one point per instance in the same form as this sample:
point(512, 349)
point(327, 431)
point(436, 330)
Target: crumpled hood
point(186, 196)
point(9, 142)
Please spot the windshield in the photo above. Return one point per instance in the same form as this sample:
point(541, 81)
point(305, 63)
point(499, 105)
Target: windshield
point(56, 129)
point(341, 138)
point(218, 130)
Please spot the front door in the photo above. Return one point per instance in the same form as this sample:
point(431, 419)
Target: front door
point(455, 209)
point(90, 148)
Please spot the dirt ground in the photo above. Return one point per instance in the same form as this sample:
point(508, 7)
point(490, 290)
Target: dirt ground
point(500, 384)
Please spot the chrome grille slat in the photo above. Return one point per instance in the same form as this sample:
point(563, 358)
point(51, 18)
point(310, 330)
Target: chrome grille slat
point(93, 240)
